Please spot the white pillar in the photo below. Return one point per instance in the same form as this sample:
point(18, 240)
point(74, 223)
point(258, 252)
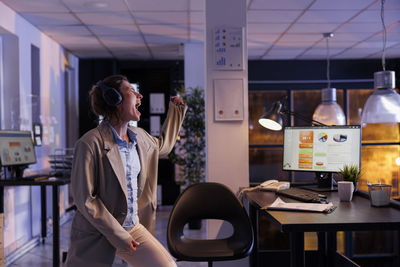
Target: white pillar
point(194, 65)
point(227, 140)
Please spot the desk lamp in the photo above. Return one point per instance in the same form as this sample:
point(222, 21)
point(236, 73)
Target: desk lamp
point(272, 119)
point(383, 106)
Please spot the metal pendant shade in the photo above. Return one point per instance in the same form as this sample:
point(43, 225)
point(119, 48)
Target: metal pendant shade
point(383, 106)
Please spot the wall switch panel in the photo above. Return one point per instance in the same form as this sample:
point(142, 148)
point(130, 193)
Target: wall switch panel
point(228, 100)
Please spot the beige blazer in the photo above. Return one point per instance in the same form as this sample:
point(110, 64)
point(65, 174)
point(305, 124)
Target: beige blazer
point(98, 185)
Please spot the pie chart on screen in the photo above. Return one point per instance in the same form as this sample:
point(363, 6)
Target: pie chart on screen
point(322, 137)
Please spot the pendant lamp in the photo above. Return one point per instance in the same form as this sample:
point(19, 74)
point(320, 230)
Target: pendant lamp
point(383, 106)
point(329, 112)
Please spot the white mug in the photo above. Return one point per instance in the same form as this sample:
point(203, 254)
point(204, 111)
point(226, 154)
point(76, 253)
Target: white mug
point(345, 189)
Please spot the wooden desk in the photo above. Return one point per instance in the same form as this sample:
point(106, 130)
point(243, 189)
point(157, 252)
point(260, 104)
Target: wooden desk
point(54, 183)
point(357, 215)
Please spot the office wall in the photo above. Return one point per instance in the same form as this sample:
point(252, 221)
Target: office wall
point(22, 204)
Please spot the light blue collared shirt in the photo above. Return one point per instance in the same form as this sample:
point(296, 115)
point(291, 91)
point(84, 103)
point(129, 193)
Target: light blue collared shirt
point(130, 159)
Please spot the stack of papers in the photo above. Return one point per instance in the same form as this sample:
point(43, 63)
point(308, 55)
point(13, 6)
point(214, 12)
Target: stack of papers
point(279, 204)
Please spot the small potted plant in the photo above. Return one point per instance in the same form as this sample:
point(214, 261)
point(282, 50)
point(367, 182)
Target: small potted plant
point(351, 173)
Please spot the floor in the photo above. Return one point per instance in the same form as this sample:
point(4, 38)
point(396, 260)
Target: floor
point(41, 256)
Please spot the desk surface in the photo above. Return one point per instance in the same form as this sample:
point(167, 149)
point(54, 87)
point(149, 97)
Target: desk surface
point(348, 216)
point(21, 182)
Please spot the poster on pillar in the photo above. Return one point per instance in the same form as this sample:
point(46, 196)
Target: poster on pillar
point(228, 48)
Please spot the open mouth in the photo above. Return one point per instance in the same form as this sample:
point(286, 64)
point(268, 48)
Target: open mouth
point(137, 105)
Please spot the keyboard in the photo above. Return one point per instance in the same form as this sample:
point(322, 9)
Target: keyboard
point(302, 195)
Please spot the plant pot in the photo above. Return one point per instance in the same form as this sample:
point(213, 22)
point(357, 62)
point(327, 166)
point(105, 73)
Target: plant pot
point(195, 224)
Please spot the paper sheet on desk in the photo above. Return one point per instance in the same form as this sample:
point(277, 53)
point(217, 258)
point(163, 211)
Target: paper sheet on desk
point(279, 204)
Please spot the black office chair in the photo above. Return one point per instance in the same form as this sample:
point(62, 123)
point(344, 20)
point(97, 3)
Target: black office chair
point(209, 201)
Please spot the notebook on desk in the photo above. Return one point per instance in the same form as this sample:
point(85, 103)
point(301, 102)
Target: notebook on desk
point(36, 177)
point(302, 195)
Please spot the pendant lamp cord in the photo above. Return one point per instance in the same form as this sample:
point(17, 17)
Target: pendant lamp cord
point(328, 62)
point(384, 34)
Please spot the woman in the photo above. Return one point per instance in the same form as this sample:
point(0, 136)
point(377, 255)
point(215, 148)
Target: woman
point(114, 181)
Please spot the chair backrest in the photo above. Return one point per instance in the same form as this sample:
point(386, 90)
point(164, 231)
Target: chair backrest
point(209, 201)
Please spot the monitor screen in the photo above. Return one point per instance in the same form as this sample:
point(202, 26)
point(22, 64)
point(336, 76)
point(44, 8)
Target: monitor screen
point(321, 148)
point(16, 148)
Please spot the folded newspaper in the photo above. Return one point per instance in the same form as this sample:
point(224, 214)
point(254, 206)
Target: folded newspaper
point(279, 204)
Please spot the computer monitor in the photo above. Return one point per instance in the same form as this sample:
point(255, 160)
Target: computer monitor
point(321, 149)
point(16, 148)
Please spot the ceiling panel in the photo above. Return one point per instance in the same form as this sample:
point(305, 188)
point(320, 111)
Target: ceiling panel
point(342, 4)
point(50, 18)
point(261, 28)
point(161, 17)
point(136, 52)
point(95, 6)
point(78, 41)
point(35, 6)
point(266, 39)
point(374, 16)
point(92, 53)
point(359, 53)
point(157, 5)
point(389, 5)
point(333, 43)
point(281, 4)
point(320, 52)
point(255, 53)
point(117, 29)
point(269, 16)
point(282, 28)
point(353, 37)
point(76, 30)
point(327, 16)
point(167, 40)
point(166, 30)
point(106, 18)
point(319, 28)
point(126, 41)
point(304, 38)
point(360, 27)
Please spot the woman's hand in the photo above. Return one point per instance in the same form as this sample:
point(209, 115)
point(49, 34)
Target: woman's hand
point(132, 246)
point(176, 100)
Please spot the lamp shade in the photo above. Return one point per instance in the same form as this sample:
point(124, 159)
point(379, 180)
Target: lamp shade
point(383, 106)
point(272, 119)
point(329, 112)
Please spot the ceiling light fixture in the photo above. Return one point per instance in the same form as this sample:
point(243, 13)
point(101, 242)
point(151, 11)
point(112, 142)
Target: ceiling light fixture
point(383, 106)
point(329, 112)
point(98, 5)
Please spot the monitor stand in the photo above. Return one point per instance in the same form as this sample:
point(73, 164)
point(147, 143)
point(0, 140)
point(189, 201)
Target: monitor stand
point(325, 183)
point(15, 172)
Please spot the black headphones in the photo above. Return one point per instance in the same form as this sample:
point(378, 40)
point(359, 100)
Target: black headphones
point(110, 95)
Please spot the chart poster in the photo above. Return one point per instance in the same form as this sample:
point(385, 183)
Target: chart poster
point(228, 48)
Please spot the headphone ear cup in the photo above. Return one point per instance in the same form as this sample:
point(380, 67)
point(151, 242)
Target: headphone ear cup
point(110, 95)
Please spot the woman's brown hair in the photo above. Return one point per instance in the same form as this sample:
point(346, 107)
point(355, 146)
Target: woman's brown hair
point(98, 105)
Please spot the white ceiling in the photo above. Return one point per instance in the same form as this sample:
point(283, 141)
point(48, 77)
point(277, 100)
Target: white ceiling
point(154, 29)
